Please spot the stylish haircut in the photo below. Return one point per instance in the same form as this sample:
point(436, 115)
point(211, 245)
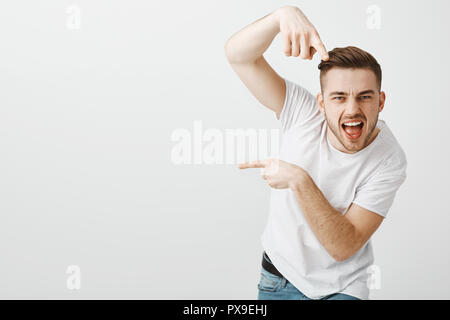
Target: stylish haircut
point(350, 57)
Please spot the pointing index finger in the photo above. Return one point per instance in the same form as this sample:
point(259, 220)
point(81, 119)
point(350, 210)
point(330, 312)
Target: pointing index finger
point(320, 47)
point(254, 164)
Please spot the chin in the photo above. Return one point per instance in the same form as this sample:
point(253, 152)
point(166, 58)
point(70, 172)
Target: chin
point(353, 146)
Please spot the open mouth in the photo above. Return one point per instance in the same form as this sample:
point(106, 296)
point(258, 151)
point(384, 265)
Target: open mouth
point(353, 129)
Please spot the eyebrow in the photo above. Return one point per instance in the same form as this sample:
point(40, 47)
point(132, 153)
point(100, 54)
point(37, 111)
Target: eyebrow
point(342, 93)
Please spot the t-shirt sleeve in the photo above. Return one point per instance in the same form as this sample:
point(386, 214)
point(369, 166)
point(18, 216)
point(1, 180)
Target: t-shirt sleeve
point(299, 107)
point(378, 193)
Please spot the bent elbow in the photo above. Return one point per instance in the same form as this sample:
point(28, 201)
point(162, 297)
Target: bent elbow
point(228, 51)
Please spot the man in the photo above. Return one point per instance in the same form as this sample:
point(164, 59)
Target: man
point(339, 166)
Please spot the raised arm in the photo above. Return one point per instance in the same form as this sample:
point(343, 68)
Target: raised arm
point(245, 49)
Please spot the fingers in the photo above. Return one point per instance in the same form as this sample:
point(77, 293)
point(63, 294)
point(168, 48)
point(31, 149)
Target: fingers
point(320, 47)
point(296, 45)
point(254, 164)
point(312, 53)
point(287, 44)
point(304, 43)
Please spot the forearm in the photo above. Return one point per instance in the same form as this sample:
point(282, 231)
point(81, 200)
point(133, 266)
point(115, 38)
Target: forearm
point(338, 235)
point(250, 43)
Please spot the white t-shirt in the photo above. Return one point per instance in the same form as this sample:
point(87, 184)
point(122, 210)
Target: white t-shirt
point(369, 178)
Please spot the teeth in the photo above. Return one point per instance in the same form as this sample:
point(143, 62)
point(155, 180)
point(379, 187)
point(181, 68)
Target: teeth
point(352, 124)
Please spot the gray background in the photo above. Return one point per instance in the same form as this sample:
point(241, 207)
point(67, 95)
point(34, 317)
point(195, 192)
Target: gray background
point(86, 118)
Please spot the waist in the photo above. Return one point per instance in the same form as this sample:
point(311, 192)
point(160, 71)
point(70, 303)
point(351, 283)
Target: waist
point(269, 267)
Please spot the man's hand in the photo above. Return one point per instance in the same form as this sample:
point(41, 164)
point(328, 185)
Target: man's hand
point(341, 235)
point(300, 37)
point(278, 173)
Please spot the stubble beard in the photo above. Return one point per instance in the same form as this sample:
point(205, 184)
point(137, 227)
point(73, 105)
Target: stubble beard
point(349, 146)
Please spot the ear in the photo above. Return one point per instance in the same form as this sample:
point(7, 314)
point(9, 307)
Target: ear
point(320, 102)
point(382, 101)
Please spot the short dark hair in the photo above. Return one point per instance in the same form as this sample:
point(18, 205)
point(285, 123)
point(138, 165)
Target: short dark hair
point(350, 57)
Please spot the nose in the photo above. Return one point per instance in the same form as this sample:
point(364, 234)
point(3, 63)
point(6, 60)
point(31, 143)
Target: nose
point(352, 106)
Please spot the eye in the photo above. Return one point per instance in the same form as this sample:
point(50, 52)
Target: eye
point(338, 98)
point(366, 97)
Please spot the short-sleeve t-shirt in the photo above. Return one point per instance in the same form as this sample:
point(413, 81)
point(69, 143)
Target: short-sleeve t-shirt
point(369, 178)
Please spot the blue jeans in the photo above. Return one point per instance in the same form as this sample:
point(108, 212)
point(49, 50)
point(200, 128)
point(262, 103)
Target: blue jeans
point(273, 287)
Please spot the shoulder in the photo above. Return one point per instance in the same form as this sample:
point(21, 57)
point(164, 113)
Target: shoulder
point(300, 107)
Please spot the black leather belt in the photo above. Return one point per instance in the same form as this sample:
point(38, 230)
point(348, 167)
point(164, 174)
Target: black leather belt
point(268, 266)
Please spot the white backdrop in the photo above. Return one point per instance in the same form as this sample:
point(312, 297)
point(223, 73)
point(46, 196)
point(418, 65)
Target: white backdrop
point(90, 94)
